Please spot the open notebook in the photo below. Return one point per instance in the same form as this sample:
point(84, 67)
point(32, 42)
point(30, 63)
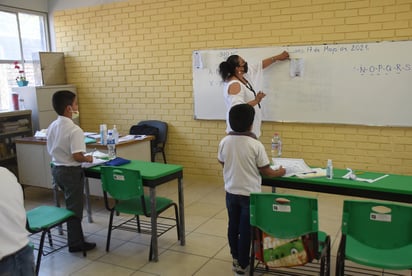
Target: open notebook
point(98, 159)
point(297, 167)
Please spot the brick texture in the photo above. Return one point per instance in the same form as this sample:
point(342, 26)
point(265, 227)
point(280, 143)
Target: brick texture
point(131, 61)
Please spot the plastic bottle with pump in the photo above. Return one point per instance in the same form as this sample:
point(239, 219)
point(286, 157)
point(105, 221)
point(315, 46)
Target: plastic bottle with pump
point(111, 146)
point(329, 169)
point(103, 134)
point(115, 134)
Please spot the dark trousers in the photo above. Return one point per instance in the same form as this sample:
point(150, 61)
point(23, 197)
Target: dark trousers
point(239, 227)
point(20, 263)
point(71, 181)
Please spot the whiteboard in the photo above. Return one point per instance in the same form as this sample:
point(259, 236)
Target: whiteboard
point(365, 83)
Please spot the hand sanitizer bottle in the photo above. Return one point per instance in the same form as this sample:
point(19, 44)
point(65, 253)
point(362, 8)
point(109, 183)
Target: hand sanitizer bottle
point(103, 134)
point(115, 134)
point(329, 169)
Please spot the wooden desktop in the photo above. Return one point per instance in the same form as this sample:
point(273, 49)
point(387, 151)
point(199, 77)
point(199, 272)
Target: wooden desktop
point(33, 160)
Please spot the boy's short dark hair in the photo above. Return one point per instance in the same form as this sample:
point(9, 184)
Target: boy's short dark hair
point(61, 99)
point(241, 117)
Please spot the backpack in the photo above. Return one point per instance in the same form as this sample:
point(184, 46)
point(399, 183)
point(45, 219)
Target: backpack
point(146, 130)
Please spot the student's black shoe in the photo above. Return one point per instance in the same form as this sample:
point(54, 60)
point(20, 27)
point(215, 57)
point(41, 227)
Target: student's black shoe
point(86, 246)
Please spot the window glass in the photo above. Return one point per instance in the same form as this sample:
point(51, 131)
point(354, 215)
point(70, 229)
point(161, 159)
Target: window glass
point(9, 34)
point(22, 33)
point(33, 36)
point(5, 96)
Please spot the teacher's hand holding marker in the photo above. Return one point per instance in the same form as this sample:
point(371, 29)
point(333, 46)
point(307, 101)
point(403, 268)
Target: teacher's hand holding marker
point(241, 81)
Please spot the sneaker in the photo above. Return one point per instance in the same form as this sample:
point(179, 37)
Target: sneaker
point(86, 247)
point(235, 265)
point(241, 271)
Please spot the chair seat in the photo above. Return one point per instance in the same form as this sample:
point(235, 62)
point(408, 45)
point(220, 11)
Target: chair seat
point(131, 207)
point(44, 217)
point(397, 259)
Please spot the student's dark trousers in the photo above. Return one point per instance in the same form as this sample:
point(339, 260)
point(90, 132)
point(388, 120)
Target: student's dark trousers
point(71, 181)
point(239, 227)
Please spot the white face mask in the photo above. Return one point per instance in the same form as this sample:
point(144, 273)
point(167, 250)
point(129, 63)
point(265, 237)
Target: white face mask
point(75, 114)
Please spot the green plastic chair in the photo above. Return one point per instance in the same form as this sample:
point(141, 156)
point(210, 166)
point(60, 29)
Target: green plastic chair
point(375, 234)
point(287, 217)
point(125, 186)
point(41, 220)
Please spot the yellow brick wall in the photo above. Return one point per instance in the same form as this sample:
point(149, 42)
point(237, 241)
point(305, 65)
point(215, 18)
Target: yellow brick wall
point(131, 61)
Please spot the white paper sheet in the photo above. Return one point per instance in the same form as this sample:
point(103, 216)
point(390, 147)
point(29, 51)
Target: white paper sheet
point(293, 166)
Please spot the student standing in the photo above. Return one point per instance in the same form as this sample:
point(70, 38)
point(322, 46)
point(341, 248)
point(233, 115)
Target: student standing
point(16, 255)
point(65, 144)
point(244, 159)
point(242, 84)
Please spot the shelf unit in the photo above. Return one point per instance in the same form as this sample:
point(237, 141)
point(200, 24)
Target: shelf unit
point(39, 100)
point(13, 124)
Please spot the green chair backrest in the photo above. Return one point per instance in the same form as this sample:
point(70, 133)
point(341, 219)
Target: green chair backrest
point(284, 216)
point(121, 183)
point(377, 224)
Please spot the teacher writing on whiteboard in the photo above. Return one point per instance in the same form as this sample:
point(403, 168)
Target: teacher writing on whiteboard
point(241, 83)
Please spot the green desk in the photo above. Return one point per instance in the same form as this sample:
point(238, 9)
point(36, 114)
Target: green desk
point(153, 175)
point(392, 188)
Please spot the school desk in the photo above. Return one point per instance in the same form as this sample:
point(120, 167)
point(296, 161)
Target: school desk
point(153, 175)
point(33, 160)
point(394, 187)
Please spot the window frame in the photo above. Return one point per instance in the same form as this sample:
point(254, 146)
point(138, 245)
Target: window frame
point(23, 61)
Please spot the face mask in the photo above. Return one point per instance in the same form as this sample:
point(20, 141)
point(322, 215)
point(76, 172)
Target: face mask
point(75, 114)
point(245, 68)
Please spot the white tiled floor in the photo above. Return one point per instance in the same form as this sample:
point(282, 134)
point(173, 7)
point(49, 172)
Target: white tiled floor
point(206, 251)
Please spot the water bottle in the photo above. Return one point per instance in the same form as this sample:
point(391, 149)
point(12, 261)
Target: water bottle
point(115, 134)
point(103, 134)
point(111, 146)
point(329, 169)
point(276, 148)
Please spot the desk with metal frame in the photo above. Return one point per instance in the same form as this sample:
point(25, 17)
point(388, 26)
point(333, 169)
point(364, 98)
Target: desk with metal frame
point(153, 175)
point(394, 187)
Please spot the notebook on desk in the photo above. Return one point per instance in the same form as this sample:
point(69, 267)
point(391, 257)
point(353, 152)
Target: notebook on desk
point(295, 167)
point(117, 162)
point(89, 140)
point(96, 161)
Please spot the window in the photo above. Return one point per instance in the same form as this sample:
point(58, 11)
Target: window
point(22, 33)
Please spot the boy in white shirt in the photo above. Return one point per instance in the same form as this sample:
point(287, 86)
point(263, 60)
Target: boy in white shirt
point(244, 159)
point(65, 144)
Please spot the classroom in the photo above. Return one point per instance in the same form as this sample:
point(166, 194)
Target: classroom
point(132, 60)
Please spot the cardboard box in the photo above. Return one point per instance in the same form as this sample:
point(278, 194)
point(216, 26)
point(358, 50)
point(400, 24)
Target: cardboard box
point(49, 68)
